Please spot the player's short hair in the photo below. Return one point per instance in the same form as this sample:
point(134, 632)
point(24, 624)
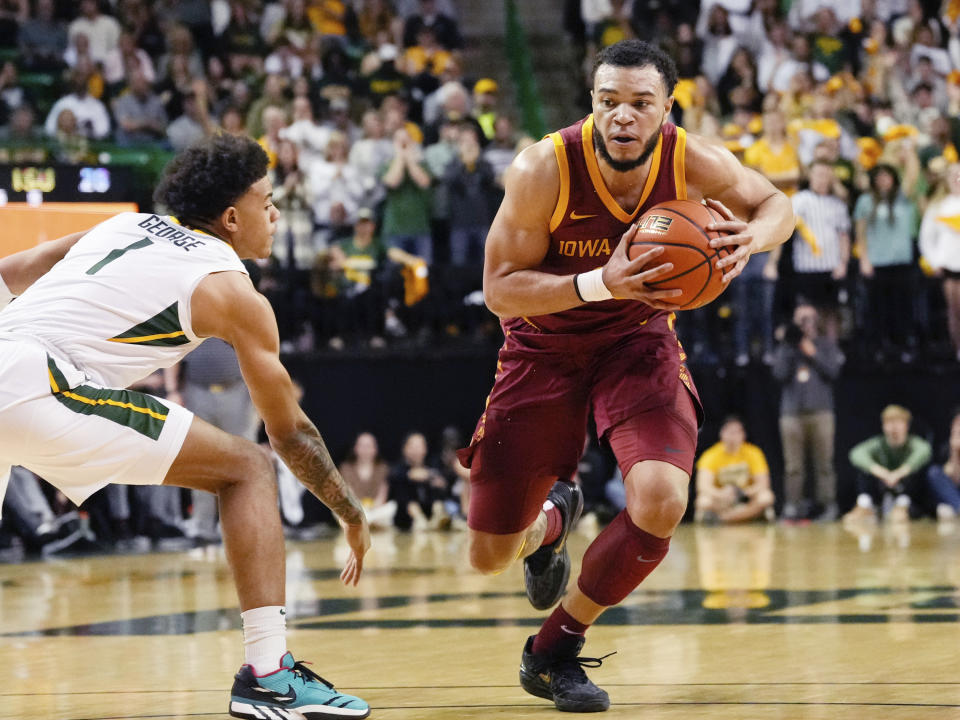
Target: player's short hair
point(209, 176)
point(637, 53)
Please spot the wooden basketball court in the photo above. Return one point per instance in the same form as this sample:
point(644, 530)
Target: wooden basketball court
point(746, 622)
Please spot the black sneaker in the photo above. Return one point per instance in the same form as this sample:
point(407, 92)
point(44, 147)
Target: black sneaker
point(546, 571)
point(560, 677)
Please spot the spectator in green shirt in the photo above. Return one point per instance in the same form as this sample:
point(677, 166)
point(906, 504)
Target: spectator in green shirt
point(406, 212)
point(889, 466)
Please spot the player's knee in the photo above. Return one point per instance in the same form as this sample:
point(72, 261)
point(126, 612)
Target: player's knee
point(253, 467)
point(657, 501)
point(488, 554)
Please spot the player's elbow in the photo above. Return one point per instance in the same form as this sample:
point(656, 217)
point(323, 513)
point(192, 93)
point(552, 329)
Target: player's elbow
point(494, 298)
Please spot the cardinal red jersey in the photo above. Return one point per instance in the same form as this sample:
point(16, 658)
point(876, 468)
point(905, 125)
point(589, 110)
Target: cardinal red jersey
point(587, 223)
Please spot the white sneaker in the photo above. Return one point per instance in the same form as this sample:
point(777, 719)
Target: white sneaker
point(946, 513)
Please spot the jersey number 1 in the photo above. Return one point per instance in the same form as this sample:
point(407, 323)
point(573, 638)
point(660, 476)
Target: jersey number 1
point(114, 254)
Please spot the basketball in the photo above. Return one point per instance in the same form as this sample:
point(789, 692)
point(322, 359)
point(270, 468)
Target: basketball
point(678, 227)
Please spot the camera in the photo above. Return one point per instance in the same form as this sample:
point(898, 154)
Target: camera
point(793, 334)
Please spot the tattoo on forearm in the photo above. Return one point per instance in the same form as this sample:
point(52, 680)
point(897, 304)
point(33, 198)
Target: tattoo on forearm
point(308, 458)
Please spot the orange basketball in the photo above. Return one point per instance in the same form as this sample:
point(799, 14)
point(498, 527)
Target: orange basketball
point(678, 226)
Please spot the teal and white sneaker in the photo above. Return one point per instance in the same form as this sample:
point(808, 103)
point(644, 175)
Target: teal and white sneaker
point(294, 692)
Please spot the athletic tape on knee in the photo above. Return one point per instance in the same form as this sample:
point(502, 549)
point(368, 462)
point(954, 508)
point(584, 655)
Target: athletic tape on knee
point(618, 560)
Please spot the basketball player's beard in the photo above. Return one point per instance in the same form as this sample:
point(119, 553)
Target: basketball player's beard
point(625, 165)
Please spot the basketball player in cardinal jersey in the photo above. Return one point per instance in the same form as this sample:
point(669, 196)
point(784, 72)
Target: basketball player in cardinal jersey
point(100, 310)
point(585, 333)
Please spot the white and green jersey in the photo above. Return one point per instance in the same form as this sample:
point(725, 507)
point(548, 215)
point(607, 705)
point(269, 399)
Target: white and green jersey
point(117, 307)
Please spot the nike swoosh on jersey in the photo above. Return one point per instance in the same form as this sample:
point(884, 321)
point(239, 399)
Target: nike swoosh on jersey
point(575, 216)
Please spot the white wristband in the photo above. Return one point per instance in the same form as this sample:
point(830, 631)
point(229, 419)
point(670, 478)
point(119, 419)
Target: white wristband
point(590, 287)
point(5, 295)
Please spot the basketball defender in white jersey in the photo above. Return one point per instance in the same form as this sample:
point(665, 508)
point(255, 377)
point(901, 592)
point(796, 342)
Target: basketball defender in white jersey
point(99, 310)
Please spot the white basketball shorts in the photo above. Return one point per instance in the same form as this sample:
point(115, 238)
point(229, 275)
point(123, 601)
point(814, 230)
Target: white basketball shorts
point(77, 435)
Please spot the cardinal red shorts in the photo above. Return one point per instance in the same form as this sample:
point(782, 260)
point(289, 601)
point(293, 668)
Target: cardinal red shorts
point(534, 428)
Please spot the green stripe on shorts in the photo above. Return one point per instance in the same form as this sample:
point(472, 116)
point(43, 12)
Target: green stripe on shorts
point(129, 408)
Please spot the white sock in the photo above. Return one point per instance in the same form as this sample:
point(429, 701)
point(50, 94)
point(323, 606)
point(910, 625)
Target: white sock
point(864, 501)
point(264, 637)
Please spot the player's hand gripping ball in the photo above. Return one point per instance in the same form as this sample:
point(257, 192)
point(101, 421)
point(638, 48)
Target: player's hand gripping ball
point(679, 227)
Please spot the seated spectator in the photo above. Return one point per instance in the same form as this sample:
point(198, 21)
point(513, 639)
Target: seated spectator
point(180, 45)
point(195, 122)
point(429, 15)
point(124, 59)
point(42, 40)
point(338, 120)
point(375, 17)
point(293, 241)
point(348, 283)
point(177, 84)
point(455, 107)
point(241, 40)
point(366, 473)
point(274, 122)
point(417, 488)
point(336, 189)
point(69, 144)
point(943, 481)
point(455, 475)
point(733, 479)
point(140, 18)
point(502, 148)
point(284, 60)
point(380, 75)
point(91, 116)
point(427, 56)
point(719, 41)
point(139, 112)
point(289, 23)
point(486, 99)
point(369, 154)
point(103, 31)
point(232, 121)
point(306, 133)
point(889, 468)
point(274, 93)
point(806, 364)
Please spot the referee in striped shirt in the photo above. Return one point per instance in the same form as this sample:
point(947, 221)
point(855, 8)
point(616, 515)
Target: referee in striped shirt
point(821, 246)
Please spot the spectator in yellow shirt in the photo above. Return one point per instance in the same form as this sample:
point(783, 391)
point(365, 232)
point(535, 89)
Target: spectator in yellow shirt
point(774, 154)
point(733, 479)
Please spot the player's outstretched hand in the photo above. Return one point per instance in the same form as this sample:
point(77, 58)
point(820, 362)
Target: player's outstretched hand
point(736, 236)
point(358, 538)
point(627, 279)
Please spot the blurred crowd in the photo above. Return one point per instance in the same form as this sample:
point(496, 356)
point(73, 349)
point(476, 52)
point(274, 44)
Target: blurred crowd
point(852, 109)
point(387, 155)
